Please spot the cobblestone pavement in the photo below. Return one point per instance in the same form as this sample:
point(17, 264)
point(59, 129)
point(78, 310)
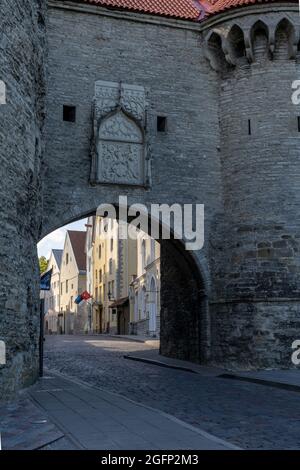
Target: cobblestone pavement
point(246, 414)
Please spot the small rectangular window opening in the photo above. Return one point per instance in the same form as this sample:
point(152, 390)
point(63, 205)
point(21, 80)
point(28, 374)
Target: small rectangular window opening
point(69, 113)
point(161, 124)
point(249, 126)
point(298, 119)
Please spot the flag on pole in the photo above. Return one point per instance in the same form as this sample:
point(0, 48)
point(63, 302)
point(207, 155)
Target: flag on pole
point(78, 300)
point(85, 295)
point(45, 283)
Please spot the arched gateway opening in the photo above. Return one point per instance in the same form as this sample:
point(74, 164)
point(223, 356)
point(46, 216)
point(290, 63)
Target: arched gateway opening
point(165, 295)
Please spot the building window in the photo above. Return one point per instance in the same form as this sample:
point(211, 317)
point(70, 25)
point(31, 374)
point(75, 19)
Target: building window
point(69, 113)
point(152, 249)
point(96, 294)
point(99, 251)
point(249, 127)
point(111, 244)
point(110, 266)
point(298, 123)
point(100, 275)
point(143, 254)
point(67, 258)
point(71, 301)
point(161, 124)
point(67, 286)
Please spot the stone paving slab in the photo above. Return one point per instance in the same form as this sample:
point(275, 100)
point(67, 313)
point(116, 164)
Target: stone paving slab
point(23, 426)
point(96, 419)
point(246, 414)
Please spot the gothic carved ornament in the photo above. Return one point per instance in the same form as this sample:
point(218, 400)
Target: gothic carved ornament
point(119, 143)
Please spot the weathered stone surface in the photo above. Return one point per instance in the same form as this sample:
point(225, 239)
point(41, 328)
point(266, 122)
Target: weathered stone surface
point(256, 288)
point(231, 142)
point(22, 51)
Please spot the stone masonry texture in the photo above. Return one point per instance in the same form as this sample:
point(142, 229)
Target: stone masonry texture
point(22, 52)
point(231, 143)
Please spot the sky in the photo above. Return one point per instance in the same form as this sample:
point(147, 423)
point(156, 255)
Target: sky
point(56, 239)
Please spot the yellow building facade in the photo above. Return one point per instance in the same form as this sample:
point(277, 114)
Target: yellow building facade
point(114, 265)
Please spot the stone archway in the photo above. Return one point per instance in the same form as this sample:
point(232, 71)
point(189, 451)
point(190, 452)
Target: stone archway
point(184, 314)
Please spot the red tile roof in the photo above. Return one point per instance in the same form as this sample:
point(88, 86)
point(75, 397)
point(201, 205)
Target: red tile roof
point(219, 6)
point(192, 10)
point(77, 239)
point(184, 9)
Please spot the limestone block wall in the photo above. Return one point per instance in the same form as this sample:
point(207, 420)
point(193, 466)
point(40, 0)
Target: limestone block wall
point(162, 56)
point(255, 304)
point(165, 58)
point(22, 42)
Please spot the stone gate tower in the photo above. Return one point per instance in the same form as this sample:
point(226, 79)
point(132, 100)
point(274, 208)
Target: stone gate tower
point(220, 77)
point(256, 264)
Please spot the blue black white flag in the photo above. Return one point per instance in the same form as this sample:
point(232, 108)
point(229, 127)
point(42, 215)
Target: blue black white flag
point(46, 280)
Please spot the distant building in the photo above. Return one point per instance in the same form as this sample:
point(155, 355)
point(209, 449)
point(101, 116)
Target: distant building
point(73, 318)
point(52, 297)
point(114, 265)
point(89, 248)
point(145, 288)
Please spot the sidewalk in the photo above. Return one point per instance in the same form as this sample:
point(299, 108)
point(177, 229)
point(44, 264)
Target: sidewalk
point(152, 356)
point(284, 379)
point(23, 426)
point(91, 418)
point(137, 338)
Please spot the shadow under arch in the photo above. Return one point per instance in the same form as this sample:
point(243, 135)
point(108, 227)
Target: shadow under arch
point(259, 36)
point(236, 42)
point(285, 39)
point(214, 51)
point(185, 286)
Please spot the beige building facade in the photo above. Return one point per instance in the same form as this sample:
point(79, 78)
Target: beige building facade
point(114, 265)
point(73, 318)
point(52, 297)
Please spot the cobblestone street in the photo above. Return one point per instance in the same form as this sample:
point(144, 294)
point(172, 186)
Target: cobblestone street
point(246, 414)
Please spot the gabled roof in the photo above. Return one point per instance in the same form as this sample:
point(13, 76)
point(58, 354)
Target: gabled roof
point(58, 257)
point(77, 239)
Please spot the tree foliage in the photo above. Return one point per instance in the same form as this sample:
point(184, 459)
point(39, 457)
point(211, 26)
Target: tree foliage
point(43, 264)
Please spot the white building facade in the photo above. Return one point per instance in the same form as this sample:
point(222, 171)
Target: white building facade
point(52, 297)
point(145, 288)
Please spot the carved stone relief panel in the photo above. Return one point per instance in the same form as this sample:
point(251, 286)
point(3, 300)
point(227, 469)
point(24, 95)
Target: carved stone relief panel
point(119, 139)
point(120, 150)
